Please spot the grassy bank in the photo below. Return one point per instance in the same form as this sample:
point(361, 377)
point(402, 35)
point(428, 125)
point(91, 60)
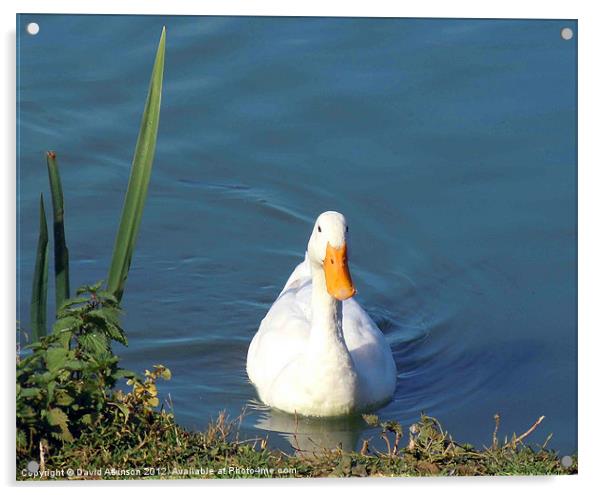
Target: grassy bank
point(153, 445)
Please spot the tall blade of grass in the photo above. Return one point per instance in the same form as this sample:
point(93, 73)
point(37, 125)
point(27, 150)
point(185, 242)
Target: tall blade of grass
point(61, 254)
point(140, 173)
point(39, 290)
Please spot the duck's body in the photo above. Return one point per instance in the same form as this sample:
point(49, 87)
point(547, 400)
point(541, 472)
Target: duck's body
point(317, 352)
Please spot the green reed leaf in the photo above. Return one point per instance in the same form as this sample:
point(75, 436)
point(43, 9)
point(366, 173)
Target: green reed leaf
point(61, 253)
point(140, 173)
point(39, 291)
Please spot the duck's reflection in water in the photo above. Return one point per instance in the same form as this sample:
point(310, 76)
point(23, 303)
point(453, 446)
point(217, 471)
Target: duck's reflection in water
point(312, 434)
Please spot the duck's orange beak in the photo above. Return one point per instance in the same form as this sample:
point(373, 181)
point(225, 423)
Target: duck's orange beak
point(336, 270)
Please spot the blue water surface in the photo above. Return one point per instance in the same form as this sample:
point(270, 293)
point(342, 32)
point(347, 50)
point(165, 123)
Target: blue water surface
point(450, 146)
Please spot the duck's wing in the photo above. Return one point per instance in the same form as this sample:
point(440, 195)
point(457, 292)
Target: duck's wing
point(370, 352)
point(283, 332)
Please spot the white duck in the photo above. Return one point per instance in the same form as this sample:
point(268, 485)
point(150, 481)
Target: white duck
point(317, 352)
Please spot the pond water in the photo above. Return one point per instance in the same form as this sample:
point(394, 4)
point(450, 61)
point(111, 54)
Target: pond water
point(450, 146)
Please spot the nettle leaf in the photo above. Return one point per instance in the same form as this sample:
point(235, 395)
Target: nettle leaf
point(56, 357)
point(89, 288)
point(110, 313)
point(117, 334)
point(27, 412)
point(34, 346)
point(74, 301)
point(57, 417)
point(25, 363)
point(107, 319)
point(103, 362)
point(74, 365)
point(96, 286)
point(43, 378)
point(94, 343)
point(107, 296)
point(28, 392)
point(75, 311)
point(97, 315)
point(67, 324)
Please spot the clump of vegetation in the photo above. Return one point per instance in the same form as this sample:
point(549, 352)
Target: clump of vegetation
point(150, 444)
point(64, 385)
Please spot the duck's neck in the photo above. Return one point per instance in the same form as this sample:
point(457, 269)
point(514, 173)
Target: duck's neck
point(326, 333)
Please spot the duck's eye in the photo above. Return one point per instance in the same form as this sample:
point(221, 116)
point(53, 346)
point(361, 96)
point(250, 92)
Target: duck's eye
point(319, 229)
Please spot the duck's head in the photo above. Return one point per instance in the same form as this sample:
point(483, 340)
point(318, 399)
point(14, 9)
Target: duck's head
point(327, 248)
